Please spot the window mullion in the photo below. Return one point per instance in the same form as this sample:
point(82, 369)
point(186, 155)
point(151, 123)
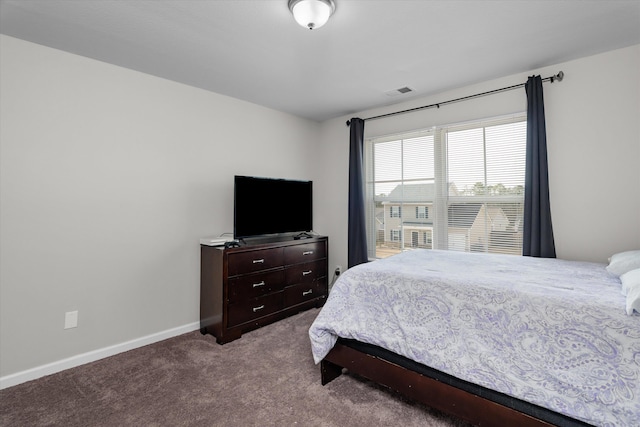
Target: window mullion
point(440, 237)
point(402, 177)
point(487, 220)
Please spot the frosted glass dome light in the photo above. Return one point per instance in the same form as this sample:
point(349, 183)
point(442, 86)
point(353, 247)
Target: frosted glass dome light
point(312, 14)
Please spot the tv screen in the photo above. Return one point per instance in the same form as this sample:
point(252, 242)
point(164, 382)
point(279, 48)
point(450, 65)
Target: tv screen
point(265, 206)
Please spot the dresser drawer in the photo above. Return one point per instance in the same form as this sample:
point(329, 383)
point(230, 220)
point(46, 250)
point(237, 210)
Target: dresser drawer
point(249, 262)
point(246, 311)
point(255, 285)
point(296, 254)
point(305, 273)
point(300, 293)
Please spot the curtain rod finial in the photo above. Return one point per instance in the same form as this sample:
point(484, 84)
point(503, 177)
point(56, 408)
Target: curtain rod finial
point(348, 122)
point(558, 77)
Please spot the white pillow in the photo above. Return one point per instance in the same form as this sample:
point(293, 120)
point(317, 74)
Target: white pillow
point(632, 283)
point(628, 279)
point(622, 262)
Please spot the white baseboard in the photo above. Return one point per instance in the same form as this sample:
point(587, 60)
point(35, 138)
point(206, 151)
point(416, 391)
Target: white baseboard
point(92, 356)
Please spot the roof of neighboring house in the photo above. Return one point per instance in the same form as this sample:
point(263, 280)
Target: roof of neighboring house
point(416, 193)
point(462, 215)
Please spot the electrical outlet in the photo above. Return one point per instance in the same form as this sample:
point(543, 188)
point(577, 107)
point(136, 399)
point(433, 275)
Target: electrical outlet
point(71, 319)
point(338, 270)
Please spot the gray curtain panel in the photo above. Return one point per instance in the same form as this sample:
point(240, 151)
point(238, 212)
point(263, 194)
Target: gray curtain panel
point(357, 233)
point(538, 231)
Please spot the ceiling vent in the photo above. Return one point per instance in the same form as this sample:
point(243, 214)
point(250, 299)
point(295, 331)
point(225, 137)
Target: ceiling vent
point(400, 91)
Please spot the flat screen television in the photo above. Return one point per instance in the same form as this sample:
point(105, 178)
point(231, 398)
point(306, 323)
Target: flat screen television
point(268, 206)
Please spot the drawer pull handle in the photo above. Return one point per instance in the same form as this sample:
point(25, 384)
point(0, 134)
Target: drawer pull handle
point(258, 261)
point(257, 285)
point(306, 273)
point(307, 253)
point(309, 292)
point(258, 308)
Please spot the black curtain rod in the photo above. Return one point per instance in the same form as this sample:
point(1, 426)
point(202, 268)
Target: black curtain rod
point(551, 79)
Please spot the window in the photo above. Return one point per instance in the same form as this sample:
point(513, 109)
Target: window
point(395, 212)
point(466, 183)
point(427, 239)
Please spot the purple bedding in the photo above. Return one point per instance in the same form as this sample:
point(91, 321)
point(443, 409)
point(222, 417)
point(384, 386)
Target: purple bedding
point(551, 332)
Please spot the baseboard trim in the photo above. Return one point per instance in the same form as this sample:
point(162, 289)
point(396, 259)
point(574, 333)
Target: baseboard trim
point(92, 356)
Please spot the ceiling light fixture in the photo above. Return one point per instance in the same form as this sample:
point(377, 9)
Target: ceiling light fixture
point(312, 14)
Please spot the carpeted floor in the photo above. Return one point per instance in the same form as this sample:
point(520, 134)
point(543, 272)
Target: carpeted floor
point(266, 378)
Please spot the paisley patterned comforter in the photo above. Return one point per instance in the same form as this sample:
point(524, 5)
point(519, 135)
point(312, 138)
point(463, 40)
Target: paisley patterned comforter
point(547, 331)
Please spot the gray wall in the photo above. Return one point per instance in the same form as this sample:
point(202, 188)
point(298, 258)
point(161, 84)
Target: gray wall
point(593, 136)
point(109, 177)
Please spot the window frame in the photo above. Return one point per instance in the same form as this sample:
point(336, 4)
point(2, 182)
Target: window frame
point(437, 210)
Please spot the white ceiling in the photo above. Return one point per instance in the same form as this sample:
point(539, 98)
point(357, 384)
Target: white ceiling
point(254, 50)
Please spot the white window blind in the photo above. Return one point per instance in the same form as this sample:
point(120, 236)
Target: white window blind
point(451, 187)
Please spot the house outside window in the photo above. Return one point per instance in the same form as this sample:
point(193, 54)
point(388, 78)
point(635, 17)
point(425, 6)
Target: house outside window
point(461, 187)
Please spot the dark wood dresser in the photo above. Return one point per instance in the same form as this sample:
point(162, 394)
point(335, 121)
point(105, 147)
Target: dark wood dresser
point(246, 287)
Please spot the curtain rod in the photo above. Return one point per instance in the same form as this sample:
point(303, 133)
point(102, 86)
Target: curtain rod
point(551, 79)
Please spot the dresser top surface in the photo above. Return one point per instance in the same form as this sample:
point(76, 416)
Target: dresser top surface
point(269, 243)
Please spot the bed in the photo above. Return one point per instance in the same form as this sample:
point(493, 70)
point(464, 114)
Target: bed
point(492, 339)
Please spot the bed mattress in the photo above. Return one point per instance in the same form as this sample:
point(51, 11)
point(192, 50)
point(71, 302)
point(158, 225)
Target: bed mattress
point(550, 332)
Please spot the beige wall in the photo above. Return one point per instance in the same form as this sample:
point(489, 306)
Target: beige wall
point(593, 134)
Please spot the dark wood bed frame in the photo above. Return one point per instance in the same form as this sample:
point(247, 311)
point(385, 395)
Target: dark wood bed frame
point(476, 409)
